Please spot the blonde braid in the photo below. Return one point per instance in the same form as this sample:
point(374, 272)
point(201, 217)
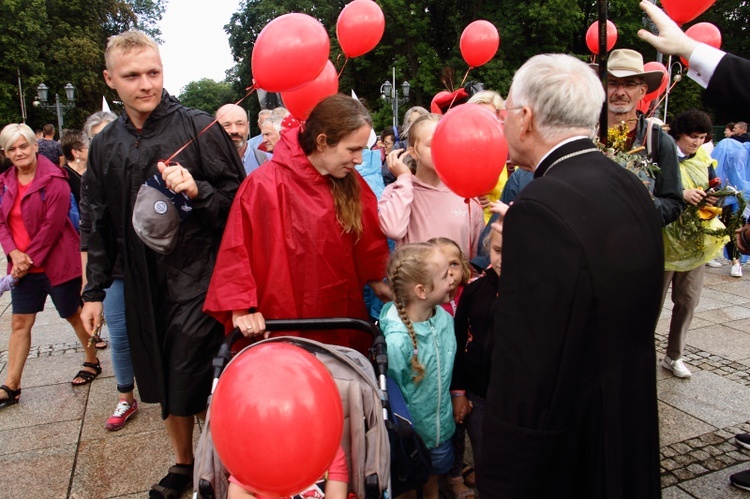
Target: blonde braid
point(408, 265)
point(416, 366)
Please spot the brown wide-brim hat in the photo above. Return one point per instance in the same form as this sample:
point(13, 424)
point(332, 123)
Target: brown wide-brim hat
point(626, 62)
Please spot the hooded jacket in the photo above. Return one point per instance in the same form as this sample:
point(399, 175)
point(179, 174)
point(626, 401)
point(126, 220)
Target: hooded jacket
point(411, 211)
point(429, 402)
point(285, 253)
point(172, 342)
point(44, 208)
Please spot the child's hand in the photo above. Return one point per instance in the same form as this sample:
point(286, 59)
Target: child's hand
point(461, 408)
point(396, 164)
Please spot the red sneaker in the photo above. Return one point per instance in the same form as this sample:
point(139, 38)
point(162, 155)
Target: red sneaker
point(122, 413)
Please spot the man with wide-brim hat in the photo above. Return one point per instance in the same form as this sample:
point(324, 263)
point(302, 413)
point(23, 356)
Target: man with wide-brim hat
point(627, 84)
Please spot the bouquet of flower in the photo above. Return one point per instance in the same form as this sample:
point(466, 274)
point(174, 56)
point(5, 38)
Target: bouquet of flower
point(639, 165)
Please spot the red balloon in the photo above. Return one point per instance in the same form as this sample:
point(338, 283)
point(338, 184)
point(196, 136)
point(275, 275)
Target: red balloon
point(469, 150)
point(360, 27)
point(276, 419)
point(592, 37)
point(683, 11)
point(300, 102)
point(706, 33)
point(290, 51)
point(644, 105)
point(656, 66)
point(479, 43)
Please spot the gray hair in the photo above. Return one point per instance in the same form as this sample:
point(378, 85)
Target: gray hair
point(275, 121)
point(563, 93)
point(280, 111)
point(97, 119)
point(11, 133)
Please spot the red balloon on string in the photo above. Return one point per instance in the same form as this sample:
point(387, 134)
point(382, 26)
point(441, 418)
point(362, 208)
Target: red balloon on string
point(683, 11)
point(300, 102)
point(290, 51)
point(276, 419)
point(360, 27)
point(479, 43)
point(656, 66)
point(592, 37)
point(469, 150)
point(706, 33)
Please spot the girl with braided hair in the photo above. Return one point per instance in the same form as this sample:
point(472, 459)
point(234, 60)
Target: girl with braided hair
point(421, 347)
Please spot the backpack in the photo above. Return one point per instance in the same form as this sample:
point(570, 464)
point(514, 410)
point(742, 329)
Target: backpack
point(74, 215)
point(410, 458)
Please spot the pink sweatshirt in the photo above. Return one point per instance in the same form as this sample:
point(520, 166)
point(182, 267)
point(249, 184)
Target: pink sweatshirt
point(411, 211)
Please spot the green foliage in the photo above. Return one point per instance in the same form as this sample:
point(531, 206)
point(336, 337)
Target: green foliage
point(59, 42)
point(207, 95)
point(421, 41)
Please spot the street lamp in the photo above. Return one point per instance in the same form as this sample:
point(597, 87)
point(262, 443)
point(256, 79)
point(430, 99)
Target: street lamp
point(390, 94)
point(58, 107)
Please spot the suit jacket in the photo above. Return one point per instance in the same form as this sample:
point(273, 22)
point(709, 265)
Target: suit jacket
point(571, 407)
point(728, 88)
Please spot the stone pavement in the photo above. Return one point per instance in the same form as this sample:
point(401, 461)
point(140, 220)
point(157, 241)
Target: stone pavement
point(55, 444)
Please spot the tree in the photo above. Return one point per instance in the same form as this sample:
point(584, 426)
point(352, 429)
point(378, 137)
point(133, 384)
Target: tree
point(62, 41)
point(421, 41)
point(207, 95)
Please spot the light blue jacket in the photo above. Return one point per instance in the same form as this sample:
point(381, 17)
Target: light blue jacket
point(429, 401)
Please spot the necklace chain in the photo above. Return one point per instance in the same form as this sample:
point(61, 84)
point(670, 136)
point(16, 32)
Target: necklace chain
point(568, 156)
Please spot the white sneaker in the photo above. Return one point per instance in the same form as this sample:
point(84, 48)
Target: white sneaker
point(736, 270)
point(677, 367)
point(713, 263)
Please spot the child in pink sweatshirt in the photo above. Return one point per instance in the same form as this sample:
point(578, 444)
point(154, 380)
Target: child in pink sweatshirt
point(417, 207)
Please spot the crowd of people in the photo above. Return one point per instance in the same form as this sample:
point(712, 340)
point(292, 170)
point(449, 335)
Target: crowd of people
point(511, 323)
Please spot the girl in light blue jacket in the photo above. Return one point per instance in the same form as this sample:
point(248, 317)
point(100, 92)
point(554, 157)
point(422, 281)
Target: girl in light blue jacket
point(421, 347)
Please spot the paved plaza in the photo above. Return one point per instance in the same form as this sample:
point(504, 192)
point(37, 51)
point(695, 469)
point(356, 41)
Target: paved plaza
point(55, 444)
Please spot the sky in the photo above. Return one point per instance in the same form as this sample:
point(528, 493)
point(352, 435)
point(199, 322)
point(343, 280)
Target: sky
point(195, 44)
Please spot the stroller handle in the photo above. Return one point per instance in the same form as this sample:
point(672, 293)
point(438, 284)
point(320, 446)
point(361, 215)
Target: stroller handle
point(323, 323)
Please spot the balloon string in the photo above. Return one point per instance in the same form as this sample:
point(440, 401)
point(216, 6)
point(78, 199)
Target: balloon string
point(169, 159)
point(342, 67)
point(460, 86)
point(662, 100)
point(471, 244)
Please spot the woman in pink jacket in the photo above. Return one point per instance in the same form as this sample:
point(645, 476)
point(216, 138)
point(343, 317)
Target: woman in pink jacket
point(42, 249)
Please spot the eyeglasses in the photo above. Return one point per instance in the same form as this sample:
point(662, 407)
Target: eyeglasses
point(627, 85)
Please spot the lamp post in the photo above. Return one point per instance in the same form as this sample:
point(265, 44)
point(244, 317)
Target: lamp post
point(390, 94)
point(58, 107)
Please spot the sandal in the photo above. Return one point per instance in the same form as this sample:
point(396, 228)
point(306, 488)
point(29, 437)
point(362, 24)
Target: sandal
point(463, 491)
point(87, 376)
point(178, 480)
point(469, 475)
point(99, 343)
point(13, 396)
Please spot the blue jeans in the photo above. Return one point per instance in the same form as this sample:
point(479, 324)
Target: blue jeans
point(114, 313)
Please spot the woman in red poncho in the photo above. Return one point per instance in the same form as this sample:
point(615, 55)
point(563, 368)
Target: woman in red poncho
point(302, 238)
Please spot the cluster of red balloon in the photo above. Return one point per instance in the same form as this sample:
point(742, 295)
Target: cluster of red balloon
point(291, 53)
point(682, 11)
point(276, 419)
point(469, 148)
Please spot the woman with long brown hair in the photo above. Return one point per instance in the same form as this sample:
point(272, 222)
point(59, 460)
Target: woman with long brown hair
point(302, 238)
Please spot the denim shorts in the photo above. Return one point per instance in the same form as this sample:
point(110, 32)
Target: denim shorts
point(442, 458)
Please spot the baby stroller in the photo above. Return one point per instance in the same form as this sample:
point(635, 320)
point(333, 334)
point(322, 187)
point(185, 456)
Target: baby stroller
point(363, 396)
